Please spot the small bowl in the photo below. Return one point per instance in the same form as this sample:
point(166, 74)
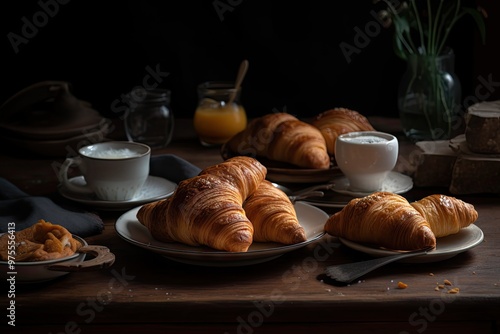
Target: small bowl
point(40, 271)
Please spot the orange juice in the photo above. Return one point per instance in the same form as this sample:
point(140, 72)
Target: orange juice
point(217, 123)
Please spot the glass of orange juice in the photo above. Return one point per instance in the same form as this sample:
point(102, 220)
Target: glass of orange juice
point(219, 114)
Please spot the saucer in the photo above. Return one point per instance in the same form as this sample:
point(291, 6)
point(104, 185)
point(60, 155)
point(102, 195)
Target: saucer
point(395, 183)
point(155, 188)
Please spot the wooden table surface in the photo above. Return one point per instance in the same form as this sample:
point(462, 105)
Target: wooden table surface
point(145, 292)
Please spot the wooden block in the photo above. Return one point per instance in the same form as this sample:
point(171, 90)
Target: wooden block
point(482, 131)
point(474, 174)
point(434, 164)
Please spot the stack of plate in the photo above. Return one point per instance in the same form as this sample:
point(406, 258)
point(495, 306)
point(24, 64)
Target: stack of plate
point(46, 119)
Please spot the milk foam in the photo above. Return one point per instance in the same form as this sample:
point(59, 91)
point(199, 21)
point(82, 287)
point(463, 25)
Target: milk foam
point(366, 140)
point(113, 153)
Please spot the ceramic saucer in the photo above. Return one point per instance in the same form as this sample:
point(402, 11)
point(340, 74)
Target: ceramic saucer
point(395, 183)
point(154, 189)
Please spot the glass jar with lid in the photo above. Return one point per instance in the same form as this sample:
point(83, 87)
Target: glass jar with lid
point(219, 114)
point(149, 118)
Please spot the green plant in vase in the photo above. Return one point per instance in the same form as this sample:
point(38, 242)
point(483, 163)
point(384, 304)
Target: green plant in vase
point(429, 96)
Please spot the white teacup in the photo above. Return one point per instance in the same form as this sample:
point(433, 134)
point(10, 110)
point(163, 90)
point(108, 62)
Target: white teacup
point(365, 158)
point(114, 171)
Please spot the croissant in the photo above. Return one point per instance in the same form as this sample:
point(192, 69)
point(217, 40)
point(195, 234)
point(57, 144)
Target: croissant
point(282, 137)
point(334, 122)
point(273, 216)
point(383, 219)
point(446, 215)
point(207, 209)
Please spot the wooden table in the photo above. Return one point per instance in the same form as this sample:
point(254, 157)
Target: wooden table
point(145, 292)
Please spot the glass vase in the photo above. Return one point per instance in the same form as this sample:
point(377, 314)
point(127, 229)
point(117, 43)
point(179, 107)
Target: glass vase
point(429, 97)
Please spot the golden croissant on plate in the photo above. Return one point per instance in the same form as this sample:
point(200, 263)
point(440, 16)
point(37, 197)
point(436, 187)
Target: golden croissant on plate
point(282, 137)
point(207, 209)
point(273, 216)
point(334, 122)
point(446, 215)
point(388, 220)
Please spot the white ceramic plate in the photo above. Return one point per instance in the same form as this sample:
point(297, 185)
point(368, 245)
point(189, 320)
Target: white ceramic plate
point(395, 183)
point(130, 229)
point(446, 247)
point(154, 189)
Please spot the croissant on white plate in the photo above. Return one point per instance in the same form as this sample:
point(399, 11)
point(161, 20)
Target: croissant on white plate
point(207, 209)
point(388, 220)
point(445, 214)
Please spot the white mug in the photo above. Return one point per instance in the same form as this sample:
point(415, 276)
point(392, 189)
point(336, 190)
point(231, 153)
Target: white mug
point(366, 157)
point(113, 171)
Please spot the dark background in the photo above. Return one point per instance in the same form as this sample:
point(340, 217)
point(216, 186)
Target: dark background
point(104, 49)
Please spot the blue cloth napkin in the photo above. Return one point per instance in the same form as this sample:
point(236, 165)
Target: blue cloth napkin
point(172, 168)
point(24, 210)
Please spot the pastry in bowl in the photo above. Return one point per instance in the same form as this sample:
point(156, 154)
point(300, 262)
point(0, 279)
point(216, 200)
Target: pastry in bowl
point(41, 242)
point(46, 251)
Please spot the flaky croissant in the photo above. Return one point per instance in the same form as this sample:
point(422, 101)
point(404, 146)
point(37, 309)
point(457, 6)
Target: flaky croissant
point(207, 209)
point(273, 216)
point(282, 137)
point(389, 220)
point(383, 219)
point(334, 122)
point(445, 214)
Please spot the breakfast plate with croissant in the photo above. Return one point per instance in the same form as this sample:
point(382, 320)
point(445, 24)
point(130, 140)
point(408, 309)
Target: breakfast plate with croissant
point(131, 230)
point(383, 224)
point(227, 215)
point(294, 150)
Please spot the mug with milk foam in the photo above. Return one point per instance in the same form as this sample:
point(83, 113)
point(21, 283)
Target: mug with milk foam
point(113, 171)
point(366, 157)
